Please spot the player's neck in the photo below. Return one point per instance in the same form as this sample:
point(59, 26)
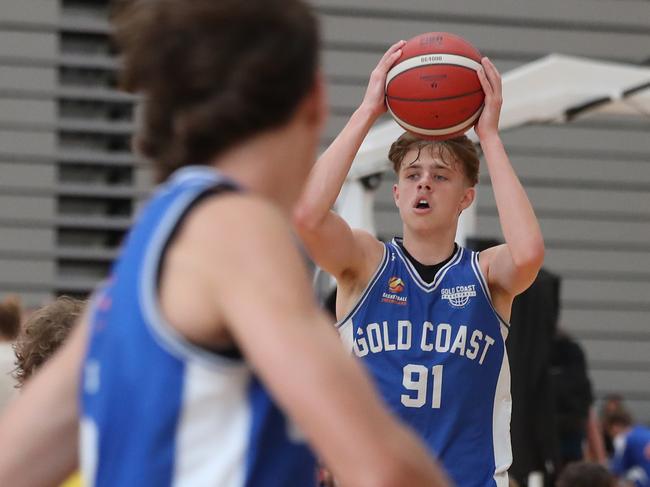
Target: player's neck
point(431, 248)
point(264, 166)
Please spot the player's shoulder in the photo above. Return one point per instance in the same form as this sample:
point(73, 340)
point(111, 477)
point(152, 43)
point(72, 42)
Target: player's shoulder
point(370, 252)
point(231, 228)
point(233, 215)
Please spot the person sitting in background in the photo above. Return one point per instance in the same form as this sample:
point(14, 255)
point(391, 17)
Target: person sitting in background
point(43, 333)
point(585, 474)
point(611, 403)
point(631, 459)
point(10, 316)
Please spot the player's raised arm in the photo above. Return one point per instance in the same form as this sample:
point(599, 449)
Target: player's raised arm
point(298, 355)
point(328, 238)
point(511, 267)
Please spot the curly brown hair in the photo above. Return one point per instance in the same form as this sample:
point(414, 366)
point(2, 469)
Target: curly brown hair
point(213, 73)
point(10, 314)
point(44, 332)
point(456, 150)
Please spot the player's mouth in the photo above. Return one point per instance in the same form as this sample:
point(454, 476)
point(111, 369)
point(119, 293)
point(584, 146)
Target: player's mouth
point(421, 206)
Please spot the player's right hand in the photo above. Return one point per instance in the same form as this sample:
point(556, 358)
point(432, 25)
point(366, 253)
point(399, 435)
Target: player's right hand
point(374, 99)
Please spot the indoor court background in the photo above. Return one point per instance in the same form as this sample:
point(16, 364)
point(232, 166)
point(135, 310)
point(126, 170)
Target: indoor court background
point(69, 186)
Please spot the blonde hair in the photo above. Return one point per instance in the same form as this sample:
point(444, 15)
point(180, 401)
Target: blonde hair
point(459, 150)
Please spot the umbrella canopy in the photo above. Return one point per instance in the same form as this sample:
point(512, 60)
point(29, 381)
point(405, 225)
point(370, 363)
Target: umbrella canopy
point(555, 88)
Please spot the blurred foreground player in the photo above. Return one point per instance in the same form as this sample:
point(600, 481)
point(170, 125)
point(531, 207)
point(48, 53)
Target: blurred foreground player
point(209, 303)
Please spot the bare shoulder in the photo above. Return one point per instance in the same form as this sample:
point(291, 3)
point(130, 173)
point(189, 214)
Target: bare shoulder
point(487, 257)
point(371, 251)
point(501, 298)
point(227, 244)
point(234, 218)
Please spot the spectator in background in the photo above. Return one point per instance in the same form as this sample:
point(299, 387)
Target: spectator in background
point(10, 317)
point(611, 403)
point(631, 459)
point(43, 333)
point(585, 474)
point(573, 402)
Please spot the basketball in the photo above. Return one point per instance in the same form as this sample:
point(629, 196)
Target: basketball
point(433, 90)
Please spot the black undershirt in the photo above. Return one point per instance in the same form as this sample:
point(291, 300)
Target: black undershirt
point(426, 272)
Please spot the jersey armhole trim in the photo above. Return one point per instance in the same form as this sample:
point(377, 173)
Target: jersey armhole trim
point(364, 295)
point(162, 331)
point(486, 290)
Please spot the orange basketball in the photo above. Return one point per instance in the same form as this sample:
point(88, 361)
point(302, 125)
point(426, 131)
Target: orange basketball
point(433, 90)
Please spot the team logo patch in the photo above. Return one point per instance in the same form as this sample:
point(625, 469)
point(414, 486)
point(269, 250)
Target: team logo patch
point(395, 286)
point(458, 296)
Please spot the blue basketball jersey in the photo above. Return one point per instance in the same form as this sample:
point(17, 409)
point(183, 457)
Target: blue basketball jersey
point(159, 410)
point(437, 354)
point(632, 456)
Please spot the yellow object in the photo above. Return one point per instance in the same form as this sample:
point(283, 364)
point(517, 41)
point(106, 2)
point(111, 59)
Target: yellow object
point(73, 481)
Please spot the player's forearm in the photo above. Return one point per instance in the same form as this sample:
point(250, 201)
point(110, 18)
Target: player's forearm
point(518, 221)
point(331, 169)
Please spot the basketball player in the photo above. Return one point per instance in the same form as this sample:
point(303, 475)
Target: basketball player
point(427, 317)
point(207, 318)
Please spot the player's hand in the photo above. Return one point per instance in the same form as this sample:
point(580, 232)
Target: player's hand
point(488, 122)
point(374, 99)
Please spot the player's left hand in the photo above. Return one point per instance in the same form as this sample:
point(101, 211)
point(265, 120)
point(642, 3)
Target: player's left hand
point(488, 122)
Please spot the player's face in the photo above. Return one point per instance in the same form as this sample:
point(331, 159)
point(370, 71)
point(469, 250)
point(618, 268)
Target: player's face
point(430, 193)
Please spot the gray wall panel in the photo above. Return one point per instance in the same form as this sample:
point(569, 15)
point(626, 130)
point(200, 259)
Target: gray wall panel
point(568, 229)
point(27, 78)
point(29, 11)
point(21, 142)
point(27, 45)
point(631, 293)
point(493, 39)
point(16, 239)
point(25, 208)
point(22, 271)
point(553, 13)
point(17, 173)
point(623, 322)
point(26, 111)
point(581, 260)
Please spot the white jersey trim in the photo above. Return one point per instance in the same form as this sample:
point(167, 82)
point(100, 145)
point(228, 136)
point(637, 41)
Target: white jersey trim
point(215, 417)
point(364, 295)
point(425, 286)
point(502, 408)
point(165, 334)
point(486, 289)
point(502, 412)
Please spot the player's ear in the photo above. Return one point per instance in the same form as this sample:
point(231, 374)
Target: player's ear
point(468, 198)
point(314, 106)
point(396, 194)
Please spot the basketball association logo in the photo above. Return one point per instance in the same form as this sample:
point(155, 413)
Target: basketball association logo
point(458, 296)
point(396, 285)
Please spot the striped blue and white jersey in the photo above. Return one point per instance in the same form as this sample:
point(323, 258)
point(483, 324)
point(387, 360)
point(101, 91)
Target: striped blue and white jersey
point(159, 410)
point(437, 354)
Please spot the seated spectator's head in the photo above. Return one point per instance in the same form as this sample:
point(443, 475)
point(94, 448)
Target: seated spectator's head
point(611, 402)
point(43, 333)
point(616, 421)
point(585, 474)
point(10, 313)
